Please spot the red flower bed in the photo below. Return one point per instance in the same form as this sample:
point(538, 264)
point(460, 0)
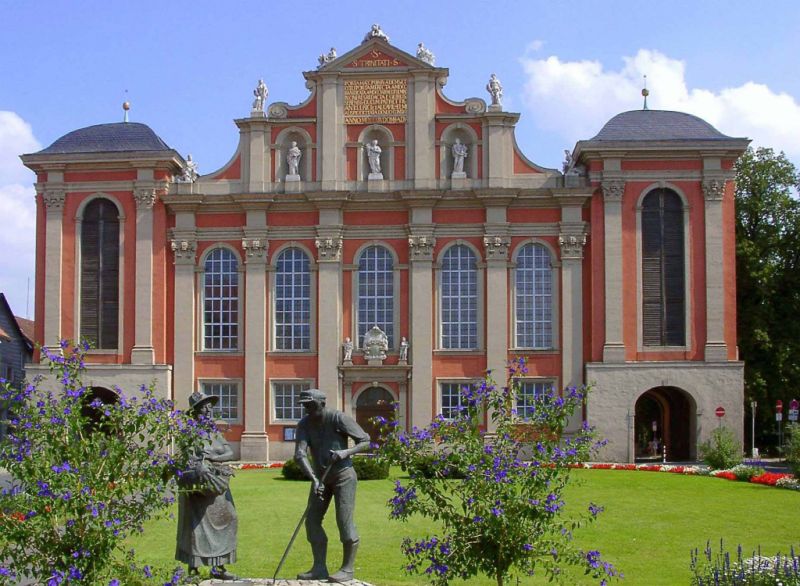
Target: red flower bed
point(726, 475)
point(769, 478)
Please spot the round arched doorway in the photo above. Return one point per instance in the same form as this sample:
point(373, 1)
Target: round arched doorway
point(92, 411)
point(665, 417)
point(373, 402)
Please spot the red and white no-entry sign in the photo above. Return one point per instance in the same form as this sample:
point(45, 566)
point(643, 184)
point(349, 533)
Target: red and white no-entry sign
point(720, 411)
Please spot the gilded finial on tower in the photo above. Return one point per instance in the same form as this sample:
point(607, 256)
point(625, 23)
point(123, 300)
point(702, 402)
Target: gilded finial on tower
point(126, 105)
point(645, 93)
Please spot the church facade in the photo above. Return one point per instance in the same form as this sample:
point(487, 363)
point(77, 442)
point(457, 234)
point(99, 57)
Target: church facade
point(387, 244)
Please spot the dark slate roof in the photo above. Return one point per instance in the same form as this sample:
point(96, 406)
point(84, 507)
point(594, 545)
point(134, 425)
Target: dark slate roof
point(655, 125)
point(103, 138)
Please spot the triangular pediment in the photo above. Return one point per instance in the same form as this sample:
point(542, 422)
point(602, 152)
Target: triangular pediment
point(375, 53)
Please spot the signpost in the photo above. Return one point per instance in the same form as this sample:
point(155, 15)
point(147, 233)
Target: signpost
point(794, 407)
point(779, 418)
point(720, 413)
point(753, 453)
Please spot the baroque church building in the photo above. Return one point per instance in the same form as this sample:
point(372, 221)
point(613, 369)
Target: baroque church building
point(387, 244)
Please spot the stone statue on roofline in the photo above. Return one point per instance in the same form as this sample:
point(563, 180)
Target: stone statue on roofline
point(375, 32)
point(425, 54)
point(261, 92)
point(325, 59)
point(495, 89)
point(189, 174)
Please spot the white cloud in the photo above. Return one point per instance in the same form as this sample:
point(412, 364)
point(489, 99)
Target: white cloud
point(18, 209)
point(575, 99)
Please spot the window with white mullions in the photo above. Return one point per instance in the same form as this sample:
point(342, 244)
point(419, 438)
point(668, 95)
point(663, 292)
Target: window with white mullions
point(221, 301)
point(528, 392)
point(376, 292)
point(459, 299)
point(293, 301)
point(451, 398)
point(227, 408)
point(534, 297)
point(286, 400)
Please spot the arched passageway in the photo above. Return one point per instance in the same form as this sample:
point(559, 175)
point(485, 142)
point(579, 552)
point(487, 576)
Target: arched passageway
point(373, 402)
point(665, 417)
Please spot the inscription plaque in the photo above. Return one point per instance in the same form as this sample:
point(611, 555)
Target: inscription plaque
point(370, 101)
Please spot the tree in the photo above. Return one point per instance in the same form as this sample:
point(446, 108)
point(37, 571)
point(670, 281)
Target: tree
point(494, 512)
point(768, 278)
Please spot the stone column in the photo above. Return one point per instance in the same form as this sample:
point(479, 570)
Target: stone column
point(421, 245)
point(715, 349)
point(571, 243)
point(614, 347)
point(143, 352)
point(422, 137)
point(329, 296)
point(255, 442)
point(497, 245)
point(330, 167)
point(54, 219)
point(184, 249)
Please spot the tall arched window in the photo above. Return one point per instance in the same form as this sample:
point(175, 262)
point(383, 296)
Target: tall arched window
point(534, 297)
point(100, 274)
point(663, 270)
point(376, 292)
point(293, 301)
point(221, 301)
point(459, 298)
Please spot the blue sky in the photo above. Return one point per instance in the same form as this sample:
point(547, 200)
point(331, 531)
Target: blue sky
point(567, 67)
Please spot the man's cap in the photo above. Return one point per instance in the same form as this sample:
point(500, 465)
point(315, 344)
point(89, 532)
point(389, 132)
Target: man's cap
point(199, 398)
point(311, 395)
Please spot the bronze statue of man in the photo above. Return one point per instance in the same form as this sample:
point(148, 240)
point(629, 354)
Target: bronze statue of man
point(325, 432)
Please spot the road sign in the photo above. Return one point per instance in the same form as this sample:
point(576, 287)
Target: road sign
point(720, 411)
point(779, 417)
point(778, 406)
point(793, 414)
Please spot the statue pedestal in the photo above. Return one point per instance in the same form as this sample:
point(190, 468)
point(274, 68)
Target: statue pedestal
point(347, 363)
point(292, 184)
point(258, 114)
point(458, 175)
point(375, 177)
point(375, 182)
point(495, 108)
point(459, 181)
point(375, 361)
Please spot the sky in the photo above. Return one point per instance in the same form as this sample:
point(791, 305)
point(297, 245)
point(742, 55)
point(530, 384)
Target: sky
point(189, 69)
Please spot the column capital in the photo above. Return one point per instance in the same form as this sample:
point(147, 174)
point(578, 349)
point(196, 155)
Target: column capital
point(54, 200)
point(714, 189)
point(184, 250)
point(145, 198)
point(255, 249)
point(613, 190)
point(496, 246)
point(329, 248)
point(572, 245)
point(421, 247)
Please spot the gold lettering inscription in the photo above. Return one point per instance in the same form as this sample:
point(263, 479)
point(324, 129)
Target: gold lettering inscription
point(369, 101)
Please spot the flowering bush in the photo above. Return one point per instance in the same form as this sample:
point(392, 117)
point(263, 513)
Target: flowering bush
point(500, 516)
point(722, 450)
point(723, 569)
point(769, 478)
point(745, 473)
point(85, 475)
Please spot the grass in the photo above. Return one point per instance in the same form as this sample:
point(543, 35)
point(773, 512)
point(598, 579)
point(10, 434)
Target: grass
point(651, 522)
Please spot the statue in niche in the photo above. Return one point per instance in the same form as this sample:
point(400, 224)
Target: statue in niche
point(293, 159)
point(403, 349)
point(261, 92)
point(189, 174)
point(376, 343)
point(460, 152)
point(374, 156)
point(495, 89)
point(347, 349)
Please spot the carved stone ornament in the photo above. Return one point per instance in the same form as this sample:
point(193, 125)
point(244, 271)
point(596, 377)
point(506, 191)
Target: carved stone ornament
point(145, 198)
point(376, 343)
point(421, 247)
point(183, 249)
point(613, 190)
point(278, 110)
point(496, 246)
point(572, 245)
point(54, 199)
point(714, 189)
point(255, 247)
point(475, 106)
point(329, 248)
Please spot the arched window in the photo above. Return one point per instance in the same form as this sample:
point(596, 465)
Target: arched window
point(221, 301)
point(534, 297)
point(459, 298)
point(376, 292)
point(100, 274)
point(663, 270)
point(293, 301)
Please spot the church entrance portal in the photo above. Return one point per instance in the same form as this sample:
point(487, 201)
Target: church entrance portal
point(665, 417)
point(373, 402)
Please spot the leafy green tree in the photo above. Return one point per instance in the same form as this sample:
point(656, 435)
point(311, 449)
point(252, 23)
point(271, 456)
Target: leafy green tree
point(768, 279)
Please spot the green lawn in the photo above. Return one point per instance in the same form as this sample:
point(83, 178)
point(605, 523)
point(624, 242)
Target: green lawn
point(650, 523)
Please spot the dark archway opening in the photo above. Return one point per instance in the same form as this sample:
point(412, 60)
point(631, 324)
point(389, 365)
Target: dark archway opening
point(94, 413)
point(373, 402)
point(665, 418)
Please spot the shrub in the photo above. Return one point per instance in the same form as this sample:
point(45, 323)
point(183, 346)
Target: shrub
point(722, 450)
point(291, 470)
point(725, 569)
point(85, 475)
point(793, 450)
point(370, 468)
point(504, 517)
point(744, 472)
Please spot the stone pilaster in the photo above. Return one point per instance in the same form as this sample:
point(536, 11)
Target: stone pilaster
point(54, 220)
point(184, 248)
point(255, 442)
point(330, 133)
point(421, 245)
point(614, 348)
point(329, 303)
point(571, 241)
point(496, 246)
point(143, 352)
point(423, 104)
point(715, 348)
